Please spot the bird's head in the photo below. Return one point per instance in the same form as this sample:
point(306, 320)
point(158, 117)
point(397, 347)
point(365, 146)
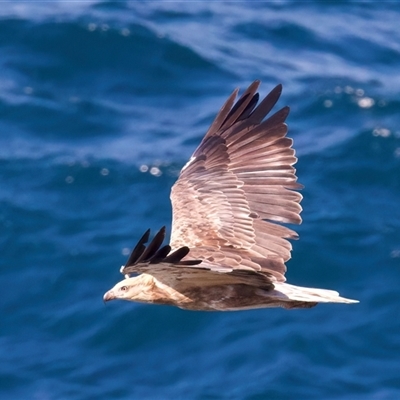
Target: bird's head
point(131, 289)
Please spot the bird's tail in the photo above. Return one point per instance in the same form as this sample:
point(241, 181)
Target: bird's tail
point(299, 293)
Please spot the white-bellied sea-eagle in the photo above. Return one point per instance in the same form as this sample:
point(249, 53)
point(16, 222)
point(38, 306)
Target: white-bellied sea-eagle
point(228, 243)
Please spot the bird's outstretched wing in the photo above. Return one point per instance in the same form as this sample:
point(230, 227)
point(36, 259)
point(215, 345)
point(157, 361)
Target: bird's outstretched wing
point(237, 189)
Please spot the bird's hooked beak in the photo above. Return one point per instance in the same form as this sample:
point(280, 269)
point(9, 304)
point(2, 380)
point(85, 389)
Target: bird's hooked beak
point(108, 296)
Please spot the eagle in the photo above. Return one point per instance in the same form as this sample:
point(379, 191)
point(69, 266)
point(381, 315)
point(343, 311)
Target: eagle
point(229, 244)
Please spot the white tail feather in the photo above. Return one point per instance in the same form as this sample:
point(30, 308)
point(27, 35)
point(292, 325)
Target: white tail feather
point(300, 293)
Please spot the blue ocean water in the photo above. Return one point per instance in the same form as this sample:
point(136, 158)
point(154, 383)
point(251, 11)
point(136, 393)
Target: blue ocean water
point(101, 103)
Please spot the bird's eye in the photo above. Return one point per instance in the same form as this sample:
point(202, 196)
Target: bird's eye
point(124, 288)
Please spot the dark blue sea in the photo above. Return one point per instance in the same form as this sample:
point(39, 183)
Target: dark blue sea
point(101, 104)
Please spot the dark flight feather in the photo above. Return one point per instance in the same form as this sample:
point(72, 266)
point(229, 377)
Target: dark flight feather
point(155, 254)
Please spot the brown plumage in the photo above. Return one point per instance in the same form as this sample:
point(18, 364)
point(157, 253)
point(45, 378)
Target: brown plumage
point(228, 248)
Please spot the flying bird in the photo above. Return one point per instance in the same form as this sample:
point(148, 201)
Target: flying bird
point(228, 244)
